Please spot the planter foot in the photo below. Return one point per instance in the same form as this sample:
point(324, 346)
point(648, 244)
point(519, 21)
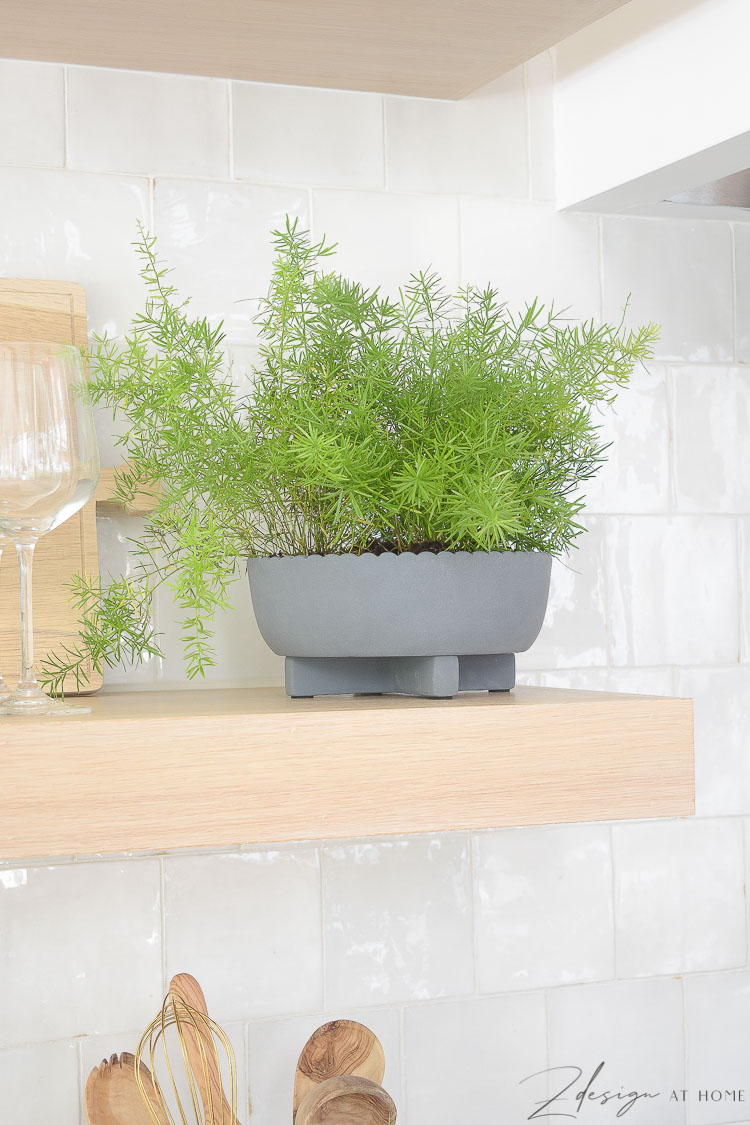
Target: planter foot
point(487, 673)
point(430, 677)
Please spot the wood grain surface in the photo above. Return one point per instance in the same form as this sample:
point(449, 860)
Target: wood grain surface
point(157, 770)
point(429, 48)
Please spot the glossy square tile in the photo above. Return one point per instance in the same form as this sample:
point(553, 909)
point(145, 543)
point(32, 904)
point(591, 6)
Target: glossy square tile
point(217, 237)
point(575, 628)
point(397, 920)
point(466, 1060)
point(77, 227)
point(528, 250)
point(543, 907)
point(743, 527)
point(678, 274)
point(712, 439)
point(32, 113)
point(633, 1030)
point(635, 475)
point(303, 135)
point(540, 82)
point(248, 927)
point(40, 1083)
point(275, 1045)
point(65, 934)
point(742, 285)
point(476, 145)
point(672, 590)
point(679, 896)
point(135, 121)
point(384, 237)
point(722, 721)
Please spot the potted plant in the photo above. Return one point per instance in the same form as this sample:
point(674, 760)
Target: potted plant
point(399, 474)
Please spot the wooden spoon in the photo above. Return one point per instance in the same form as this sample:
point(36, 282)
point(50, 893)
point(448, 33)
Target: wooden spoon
point(338, 1048)
point(201, 1052)
point(347, 1100)
point(112, 1094)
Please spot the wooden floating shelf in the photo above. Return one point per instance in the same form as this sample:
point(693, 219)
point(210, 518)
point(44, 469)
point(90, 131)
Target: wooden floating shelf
point(431, 48)
point(157, 770)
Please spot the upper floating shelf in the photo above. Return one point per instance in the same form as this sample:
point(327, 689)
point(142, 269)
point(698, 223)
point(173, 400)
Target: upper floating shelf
point(428, 48)
point(157, 770)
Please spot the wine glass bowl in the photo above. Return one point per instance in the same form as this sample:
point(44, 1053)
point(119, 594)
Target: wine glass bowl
point(49, 468)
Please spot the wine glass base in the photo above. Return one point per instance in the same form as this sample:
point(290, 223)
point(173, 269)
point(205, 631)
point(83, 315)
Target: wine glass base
point(37, 706)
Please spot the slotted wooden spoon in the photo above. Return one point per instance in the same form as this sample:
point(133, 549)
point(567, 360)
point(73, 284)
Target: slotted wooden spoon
point(112, 1095)
point(337, 1049)
point(348, 1100)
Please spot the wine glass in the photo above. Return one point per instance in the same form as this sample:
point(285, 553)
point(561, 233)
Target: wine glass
point(49, 468)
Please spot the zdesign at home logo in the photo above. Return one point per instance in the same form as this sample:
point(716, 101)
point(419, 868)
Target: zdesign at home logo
point(571, 1092)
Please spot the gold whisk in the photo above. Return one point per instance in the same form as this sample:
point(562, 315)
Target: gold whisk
point(195, 1081)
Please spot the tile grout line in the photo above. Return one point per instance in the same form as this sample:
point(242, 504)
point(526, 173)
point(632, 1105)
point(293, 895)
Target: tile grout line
point(230, 129)
point(323, 943)
point(384, 141)
point(473, 868)
point(402, 1053)
point(163, 925)
point(733, 237)
point(65, 116)
point(613, 877)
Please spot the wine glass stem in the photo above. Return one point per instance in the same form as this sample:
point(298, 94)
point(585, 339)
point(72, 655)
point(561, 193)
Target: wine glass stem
point(28, 681)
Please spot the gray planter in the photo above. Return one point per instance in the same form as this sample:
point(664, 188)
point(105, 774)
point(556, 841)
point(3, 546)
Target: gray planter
point(425, 624)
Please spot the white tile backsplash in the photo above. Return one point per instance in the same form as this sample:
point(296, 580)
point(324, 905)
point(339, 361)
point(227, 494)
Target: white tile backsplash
point(722, 737)
point(575, 630)
point(217, 238)
point(633, 1028)
point(635, 475)
point(679, 896)
point(74, 226)
point(32, 113)
point(678, 274)
point(485, 134)
point(466, 1059)
point(298, 135)
point(741, 233)
point(543, 907)
point(528, 250)
point(384, 237)
point(711, 439)
point(128, 121)
point(65, 934)
point(717, 1020)
point(397, 920)
point(672, 590)
point(40, 1083)
point(248, 926)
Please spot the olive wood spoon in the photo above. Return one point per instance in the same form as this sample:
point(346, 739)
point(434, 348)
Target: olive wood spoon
point(112, 1095)
point(203, 1060)
point(338, 1048)
point(347, 1100)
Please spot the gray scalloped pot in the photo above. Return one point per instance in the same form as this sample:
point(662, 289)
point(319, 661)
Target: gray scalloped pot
point(424, 625)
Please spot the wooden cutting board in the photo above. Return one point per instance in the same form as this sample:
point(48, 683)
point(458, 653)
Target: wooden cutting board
point(49, 311)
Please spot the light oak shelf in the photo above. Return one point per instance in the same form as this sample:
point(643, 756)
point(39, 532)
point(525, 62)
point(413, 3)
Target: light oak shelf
point(157, 770)
point(430, 48)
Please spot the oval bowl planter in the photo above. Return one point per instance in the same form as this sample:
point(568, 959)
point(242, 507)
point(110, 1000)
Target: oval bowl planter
point(418, 624)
